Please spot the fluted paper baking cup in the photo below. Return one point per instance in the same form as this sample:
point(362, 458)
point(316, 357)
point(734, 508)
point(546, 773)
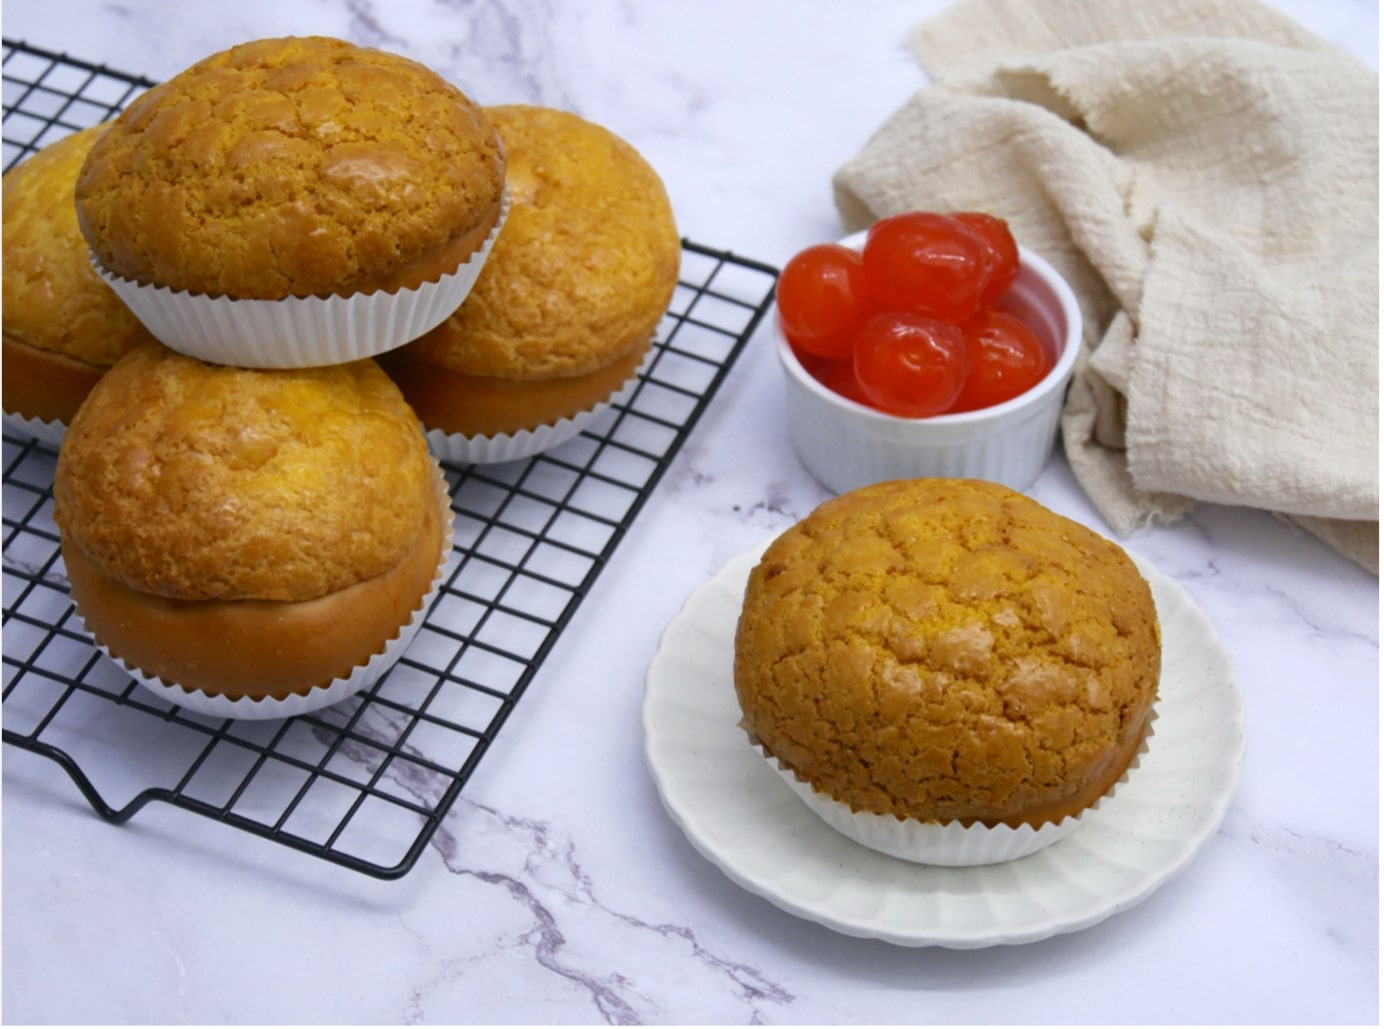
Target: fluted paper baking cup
point(51, 433)
point(944, 843)
point(299, 332)
point(361, 677)
point(456, 448)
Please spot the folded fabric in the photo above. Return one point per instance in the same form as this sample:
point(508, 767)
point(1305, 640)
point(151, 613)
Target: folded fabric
point(1205, 173)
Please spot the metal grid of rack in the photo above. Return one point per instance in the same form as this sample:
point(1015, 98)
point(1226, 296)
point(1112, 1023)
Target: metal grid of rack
point(365, 783)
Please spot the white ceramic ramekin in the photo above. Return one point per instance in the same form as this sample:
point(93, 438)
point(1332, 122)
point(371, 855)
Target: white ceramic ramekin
point(299, 332)
point(846, 445)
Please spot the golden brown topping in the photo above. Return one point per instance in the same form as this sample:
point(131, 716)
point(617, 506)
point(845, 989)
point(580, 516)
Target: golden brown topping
point(197, 481)
point(288, 167)
point(585, 265)
point(53, 298)
point(945, 649)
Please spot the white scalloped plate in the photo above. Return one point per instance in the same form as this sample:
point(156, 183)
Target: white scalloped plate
point(741, 816)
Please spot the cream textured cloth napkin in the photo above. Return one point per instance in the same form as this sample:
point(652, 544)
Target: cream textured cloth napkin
point(1205, 174)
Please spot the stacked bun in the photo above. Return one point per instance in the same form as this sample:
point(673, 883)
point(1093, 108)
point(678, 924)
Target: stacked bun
point(249, 535)
point(292, 202)
point(290, 168)
point(63, 326)
point(566, 308)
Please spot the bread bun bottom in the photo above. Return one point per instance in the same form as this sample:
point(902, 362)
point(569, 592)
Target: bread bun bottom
point(44, 384)
point(254, 648)
point(444, 260)
point(481, 405)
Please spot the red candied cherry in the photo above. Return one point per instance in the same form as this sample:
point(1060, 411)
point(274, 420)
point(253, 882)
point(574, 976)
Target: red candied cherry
point(1004, 251)
point(926, 262)
point(823, 299)
point(1006, 360)
point(909, 364)
point(836, 374)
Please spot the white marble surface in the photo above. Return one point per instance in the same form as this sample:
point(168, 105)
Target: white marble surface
point(557, 891)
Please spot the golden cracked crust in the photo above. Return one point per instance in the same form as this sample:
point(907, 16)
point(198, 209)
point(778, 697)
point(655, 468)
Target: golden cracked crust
point(586, 263)
point(947, 649)
point(194, 481)
point(297, 166)
point(53, 299)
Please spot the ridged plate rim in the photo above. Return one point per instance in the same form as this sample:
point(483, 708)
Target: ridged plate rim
point(743, 818)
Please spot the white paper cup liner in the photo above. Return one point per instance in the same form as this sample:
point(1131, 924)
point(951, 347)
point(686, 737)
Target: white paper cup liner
point(943, 843)
point(455, 448)
point(361, 677)
point(299, 332)
point(51, 433)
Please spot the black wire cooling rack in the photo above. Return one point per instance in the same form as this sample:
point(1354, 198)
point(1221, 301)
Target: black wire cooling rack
point(365, 783)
